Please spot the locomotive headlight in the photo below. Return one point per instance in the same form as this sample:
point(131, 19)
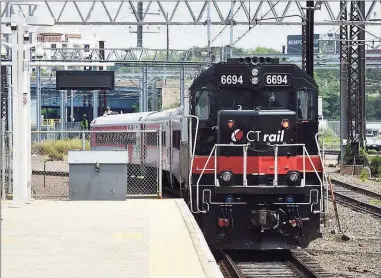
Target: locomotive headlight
point(254, 80)
point(293, 178)
point(285, 124)
point(254, 72)
point(226, 176)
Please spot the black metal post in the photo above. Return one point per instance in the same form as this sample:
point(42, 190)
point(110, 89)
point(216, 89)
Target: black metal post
point(101, 52)
point(362, 125)
point(304, 44)
point(102, 108)
point(356, 79)
point(343, 81)
point(310, 39)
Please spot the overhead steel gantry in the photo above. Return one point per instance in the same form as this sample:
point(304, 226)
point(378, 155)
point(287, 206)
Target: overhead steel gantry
point(139, 56)
point(248, 13)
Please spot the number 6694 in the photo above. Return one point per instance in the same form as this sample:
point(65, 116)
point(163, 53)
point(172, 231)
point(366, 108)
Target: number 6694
point(231, 79)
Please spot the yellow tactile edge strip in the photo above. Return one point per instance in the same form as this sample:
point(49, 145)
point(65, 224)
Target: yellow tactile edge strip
point(208, 263)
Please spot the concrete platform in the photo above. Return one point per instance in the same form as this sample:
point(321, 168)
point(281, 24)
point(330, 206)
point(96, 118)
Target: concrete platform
point(133, 238)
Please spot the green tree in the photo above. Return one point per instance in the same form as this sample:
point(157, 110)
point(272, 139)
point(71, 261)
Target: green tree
point(328, 81)
point(260, 50)
point(265, 50)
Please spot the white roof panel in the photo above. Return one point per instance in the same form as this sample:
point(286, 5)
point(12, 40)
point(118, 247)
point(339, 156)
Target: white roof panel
point(133, 118)
point(102, 157)
point(120, 119)
point(166, 114)
point(373, 126)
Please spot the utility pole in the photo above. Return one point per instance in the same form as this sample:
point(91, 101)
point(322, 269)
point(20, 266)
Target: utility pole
point(17, 47)
point(140, 27)
point(208, 29)
point(231, 29)
point(167, 40)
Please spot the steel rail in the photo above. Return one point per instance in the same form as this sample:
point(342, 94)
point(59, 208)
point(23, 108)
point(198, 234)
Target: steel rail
point(290, 263)
point(358, 205)
point(353, 197)
point(357, 189)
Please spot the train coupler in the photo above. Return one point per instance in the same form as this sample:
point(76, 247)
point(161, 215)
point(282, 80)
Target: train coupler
point(264, 219)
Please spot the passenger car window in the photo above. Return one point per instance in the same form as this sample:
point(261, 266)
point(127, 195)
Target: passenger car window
point(305, 104)
point(202, 105)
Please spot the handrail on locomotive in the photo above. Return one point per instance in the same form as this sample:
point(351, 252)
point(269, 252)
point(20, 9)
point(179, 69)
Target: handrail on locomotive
point(324, 175)
point(213, 152)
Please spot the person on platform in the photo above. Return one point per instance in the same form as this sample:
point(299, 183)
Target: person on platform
point(84, 123)
point(109, 112)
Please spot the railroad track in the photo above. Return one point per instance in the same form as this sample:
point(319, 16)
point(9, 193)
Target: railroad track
point(285, 263)
point(357, 198)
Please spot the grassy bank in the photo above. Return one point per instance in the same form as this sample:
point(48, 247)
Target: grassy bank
point(58, 149)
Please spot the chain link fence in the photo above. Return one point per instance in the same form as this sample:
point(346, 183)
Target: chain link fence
point(5, 159)
point(50, 168)
point(332, 133)
point(144, 149)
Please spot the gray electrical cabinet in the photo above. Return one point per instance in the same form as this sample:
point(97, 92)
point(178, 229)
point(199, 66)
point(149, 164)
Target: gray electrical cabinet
point(98, 175)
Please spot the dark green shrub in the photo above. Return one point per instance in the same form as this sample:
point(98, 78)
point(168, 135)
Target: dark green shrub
point(375, 165)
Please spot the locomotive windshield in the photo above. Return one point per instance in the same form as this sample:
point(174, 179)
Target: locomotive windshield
point(209, 103)
point(305, 104)
point(237, 99)
point(273, 100)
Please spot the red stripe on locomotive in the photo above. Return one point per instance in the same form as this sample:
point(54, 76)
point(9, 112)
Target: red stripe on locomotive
point(256, 164)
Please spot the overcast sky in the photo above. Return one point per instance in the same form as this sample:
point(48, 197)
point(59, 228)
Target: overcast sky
point(182, 37)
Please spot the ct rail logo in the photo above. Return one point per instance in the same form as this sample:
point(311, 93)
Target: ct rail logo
point(237, 135)
point(258, 136)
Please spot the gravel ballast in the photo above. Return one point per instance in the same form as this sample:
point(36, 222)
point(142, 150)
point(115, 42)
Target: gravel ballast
point(50, 166)
point(360, 256)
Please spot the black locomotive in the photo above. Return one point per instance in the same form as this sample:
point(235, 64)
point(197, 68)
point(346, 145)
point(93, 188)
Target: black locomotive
point(256, 173)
